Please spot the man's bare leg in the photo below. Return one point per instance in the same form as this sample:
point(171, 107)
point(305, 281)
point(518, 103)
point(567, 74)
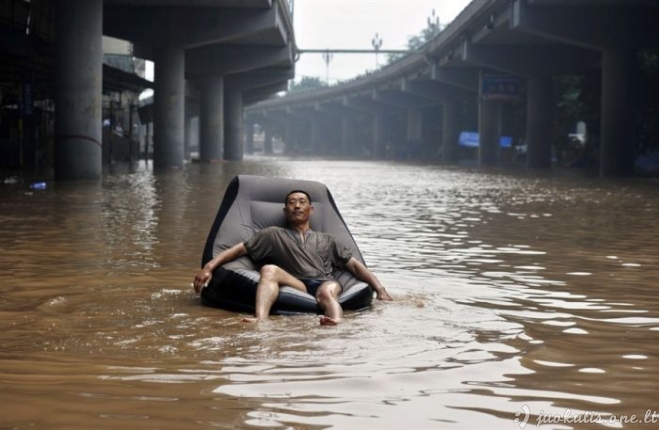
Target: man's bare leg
point(327, 297)
point(268, 289)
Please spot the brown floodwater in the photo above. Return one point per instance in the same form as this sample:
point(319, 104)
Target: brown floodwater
point(520, 299)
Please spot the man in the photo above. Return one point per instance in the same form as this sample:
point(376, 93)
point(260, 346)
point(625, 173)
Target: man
point(301, 258)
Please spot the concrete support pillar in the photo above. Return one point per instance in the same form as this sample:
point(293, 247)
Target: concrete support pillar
point(168, 107)
point(489, 129)
point(78, 89)
point(141, 136)
point(414, 124)
point(211, 119)
point(379, 136)
point(333, 135)
point(267, 140)
point(539, 123)
point(233, 124)
point(347, 135)
point(316, 136)
point(249, 137)
point(450, 132)
point(189, 130)
point(616, 145)
point(290, 137)
point(148, 141)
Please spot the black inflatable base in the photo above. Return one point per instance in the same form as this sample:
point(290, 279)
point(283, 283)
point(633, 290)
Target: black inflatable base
point(251, 203)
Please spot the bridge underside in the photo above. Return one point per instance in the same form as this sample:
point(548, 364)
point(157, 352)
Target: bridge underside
point(216, 54)
point(491, 71)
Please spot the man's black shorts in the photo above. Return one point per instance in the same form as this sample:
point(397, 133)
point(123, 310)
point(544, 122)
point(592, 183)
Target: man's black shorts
point(313, 284)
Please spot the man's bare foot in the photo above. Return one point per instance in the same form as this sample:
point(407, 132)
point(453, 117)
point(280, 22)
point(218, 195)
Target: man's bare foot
point(325, 320)
point(250, 320)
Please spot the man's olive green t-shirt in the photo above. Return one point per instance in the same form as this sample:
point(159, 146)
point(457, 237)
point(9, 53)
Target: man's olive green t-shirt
point(313, 257)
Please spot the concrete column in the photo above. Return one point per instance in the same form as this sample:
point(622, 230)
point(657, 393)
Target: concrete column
point(289, 137)
point(347, 135)
point(189, 132)
point(539, 123)
point(450, 132)
point(379, 136)
point(211, 119)
point(616, 145)
point(249, 137)
point(141, 133)
point(148, 142)
point(233, 124)
point(489, 129)
point(168, 107)
point(414, 124)
point(316, 136)
point(78, 89)
point(267, 140)
point(333, 135)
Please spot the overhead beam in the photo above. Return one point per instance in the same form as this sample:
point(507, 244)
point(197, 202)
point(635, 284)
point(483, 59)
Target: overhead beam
point(616, 26)
point(193, 27)
point(462, 78)
point(333, 108)
point(254, 95)
point(222, 60)
point(402, 99)
point(435, 90)
point(256, 79)
point(369, 105)
point(529, 60)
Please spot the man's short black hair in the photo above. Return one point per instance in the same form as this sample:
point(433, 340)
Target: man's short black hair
point(297, 191)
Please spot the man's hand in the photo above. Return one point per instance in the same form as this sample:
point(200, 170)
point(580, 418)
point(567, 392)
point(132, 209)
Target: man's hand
point(204, 276)
point(201, 279)
point(362, 273)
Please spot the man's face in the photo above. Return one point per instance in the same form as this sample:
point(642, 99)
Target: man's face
point(298, 209)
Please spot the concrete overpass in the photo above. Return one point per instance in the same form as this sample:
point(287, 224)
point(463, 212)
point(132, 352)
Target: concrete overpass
point(493, 51)
point(229, 52)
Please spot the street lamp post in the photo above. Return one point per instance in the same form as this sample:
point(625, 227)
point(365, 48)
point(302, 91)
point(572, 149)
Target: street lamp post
point(434, 24)
point(327, 57)
point(376, 42)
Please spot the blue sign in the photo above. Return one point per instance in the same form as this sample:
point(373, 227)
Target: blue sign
point(471, 139)
point(499, 87)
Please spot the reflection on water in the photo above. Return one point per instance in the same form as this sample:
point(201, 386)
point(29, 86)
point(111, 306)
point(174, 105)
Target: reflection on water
point(514, 294)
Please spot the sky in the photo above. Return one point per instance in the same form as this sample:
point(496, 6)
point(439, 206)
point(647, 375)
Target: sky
point(352, 24)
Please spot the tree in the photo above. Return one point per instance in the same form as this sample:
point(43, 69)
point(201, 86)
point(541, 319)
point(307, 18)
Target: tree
point(414, 43)
point(306, 83)
point(578, 98)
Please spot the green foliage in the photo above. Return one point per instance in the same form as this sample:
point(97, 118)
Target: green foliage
point(578, 98)
point(414, 43)
point(649, 60)
point(306, 83)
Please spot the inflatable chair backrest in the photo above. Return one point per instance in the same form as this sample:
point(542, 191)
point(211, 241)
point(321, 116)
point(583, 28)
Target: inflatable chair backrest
point(252, 203)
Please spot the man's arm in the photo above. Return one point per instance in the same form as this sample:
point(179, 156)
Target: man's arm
point(203, 277)
point(362, 273)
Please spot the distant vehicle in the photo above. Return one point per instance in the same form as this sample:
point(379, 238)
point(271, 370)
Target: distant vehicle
point(577, 140)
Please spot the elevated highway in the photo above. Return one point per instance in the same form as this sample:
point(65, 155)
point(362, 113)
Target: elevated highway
point(494, 52)
point(214, 54)
point(227, 52)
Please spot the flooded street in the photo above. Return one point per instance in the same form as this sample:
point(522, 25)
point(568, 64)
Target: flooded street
point(519, 299)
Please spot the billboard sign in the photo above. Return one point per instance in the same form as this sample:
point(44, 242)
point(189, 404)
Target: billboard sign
point(500, 87)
